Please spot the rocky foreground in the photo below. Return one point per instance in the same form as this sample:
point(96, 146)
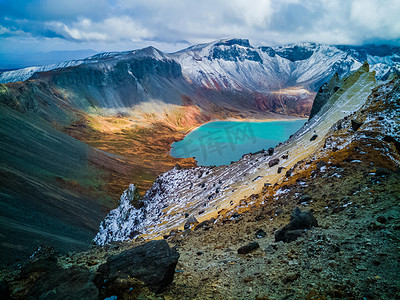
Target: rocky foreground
point(330, 229)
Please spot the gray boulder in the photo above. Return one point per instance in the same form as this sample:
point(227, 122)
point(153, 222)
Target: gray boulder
point(299, 222)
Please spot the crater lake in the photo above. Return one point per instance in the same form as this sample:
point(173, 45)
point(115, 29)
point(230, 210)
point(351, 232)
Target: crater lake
point(220, 142)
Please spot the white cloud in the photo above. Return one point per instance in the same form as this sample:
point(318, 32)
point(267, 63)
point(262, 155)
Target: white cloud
point(109, 30)
point(377, 18)
point(254, 14)
point(112, 23)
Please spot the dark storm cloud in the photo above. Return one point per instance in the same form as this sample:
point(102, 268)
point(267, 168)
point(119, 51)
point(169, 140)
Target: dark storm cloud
point(124, 22)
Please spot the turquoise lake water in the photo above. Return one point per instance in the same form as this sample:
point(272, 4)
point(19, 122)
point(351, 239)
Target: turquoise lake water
point(219, 143)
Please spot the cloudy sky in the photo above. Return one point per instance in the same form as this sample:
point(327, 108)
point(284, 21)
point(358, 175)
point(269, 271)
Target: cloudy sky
point(107, 25)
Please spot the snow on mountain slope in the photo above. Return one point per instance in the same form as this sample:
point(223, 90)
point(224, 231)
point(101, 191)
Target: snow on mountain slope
point(235, 64)
point(26, 73)
point(205, 192)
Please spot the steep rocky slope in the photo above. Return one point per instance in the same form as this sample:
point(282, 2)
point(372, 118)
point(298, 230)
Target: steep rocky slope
point(343, 167)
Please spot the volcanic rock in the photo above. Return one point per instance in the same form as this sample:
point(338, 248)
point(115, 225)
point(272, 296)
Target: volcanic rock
point(190, 221)
point(248, 248)
point(299, 221)
point(153, 263)
point(273, 162)
point(355, 124)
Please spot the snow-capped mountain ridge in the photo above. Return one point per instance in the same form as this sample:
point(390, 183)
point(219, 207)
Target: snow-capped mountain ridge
point(236, 64)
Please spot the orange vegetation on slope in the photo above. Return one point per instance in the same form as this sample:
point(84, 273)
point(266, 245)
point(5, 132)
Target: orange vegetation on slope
point(141, 144)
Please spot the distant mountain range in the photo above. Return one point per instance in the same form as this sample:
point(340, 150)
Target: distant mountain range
point(15, 60)
point(280, 79)
point(302, 63)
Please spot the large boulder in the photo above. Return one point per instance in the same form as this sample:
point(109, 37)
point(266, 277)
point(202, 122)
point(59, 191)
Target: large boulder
point(152, 263)
point(299, 222)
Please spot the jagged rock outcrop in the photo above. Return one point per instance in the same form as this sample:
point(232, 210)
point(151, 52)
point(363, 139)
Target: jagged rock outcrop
point(324, 93)
point(117, 219)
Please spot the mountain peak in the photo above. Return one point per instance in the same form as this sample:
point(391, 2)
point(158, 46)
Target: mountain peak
point(233, 41)
point(150, 52)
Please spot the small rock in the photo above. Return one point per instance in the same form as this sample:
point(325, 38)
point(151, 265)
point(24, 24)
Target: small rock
point(273, 162)
point(91, 263)
point(190, 221)
point(280, 169)
point(235, 215)
point(321, 164)
point(301, 179)
point(270, 151)
point(199, 253)
point(260, 233)
point(174, 232)
point(362, 268)
point(355, 125)
point(207, 224)
point(304, 198)
point(290, 277)
point(248, 248)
